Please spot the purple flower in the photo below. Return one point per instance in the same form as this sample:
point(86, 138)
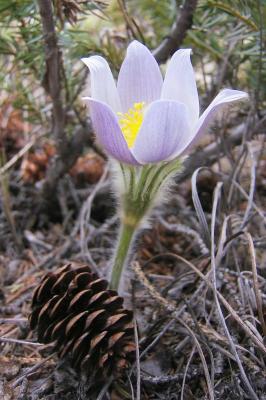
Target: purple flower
point(144, 119)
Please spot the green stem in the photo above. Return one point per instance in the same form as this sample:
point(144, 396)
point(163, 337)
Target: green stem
point(121, 255)
point(140, 190)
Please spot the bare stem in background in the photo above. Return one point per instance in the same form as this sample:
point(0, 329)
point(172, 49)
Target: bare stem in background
point(68, 150)
point(53, 84)
point(178, 32)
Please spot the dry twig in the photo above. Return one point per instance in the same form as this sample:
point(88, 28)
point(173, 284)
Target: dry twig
point(178, 32)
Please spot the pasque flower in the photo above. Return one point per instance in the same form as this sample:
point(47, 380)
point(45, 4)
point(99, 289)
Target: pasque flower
point(146, 124)
point(144, 119)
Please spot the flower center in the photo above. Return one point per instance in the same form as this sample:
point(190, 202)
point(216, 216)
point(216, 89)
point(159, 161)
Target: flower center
point(130, 122)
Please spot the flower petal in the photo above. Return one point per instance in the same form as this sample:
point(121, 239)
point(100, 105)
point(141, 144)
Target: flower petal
point(162, 132)
point(221, 100)
point(103, 87)
point(180, 85)
point(140, 78)
point(108, 132)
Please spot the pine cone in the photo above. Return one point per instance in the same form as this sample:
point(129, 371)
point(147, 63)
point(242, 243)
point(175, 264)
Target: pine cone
point(34, 167)
point(73, 309)
point(87, 169)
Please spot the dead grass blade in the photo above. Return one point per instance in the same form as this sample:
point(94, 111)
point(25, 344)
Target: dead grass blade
point(171, 307)
point(186, 371)
point(233, 313)
point(202, 357)
point(256, 281)
point(197, 204)
point(217, 194)
point(137, 360)
point(252, 186)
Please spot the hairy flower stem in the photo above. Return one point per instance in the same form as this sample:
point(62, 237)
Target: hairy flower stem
point(124, 245)
point(140, 191)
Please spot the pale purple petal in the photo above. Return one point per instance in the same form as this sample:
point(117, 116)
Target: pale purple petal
point(225, 97)
point(163, 131)
point(103, 87)
point(108, 132)
point(180, 85)
point(140, 78)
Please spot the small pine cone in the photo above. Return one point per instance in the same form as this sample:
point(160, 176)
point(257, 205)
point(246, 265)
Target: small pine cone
point(34, 167)
point(73, 309)
point(87, 169)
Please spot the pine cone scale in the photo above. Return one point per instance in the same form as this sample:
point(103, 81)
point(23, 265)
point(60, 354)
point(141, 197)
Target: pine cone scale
point(83, 279)
point(81, 300)
point(76, 325)
point(113, 303)
point(44, 318)
point(41, 293)
point(62, 282)
point(98, 298)
point(58, 328)
point(98, 285)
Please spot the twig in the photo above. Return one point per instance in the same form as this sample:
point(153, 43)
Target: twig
point(14, 321)
point(17, 341)
point(180, 228)
point(163, 379)
point(23, 389)
point(21, 152)
point(130, 22)
point(157, 338)
point(31, 370)
point(178, 32)
point(105, 388)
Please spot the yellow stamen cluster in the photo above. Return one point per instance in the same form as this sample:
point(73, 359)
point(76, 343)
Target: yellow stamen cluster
point(130, 122)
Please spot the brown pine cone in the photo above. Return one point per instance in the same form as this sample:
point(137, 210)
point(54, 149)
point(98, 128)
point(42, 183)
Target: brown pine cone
point(87, 169)
point(87, 323)
point(34, 167)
